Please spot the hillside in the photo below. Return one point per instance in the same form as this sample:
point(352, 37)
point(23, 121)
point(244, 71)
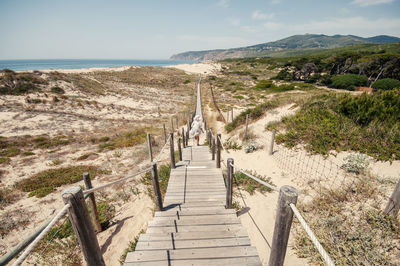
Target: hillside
point(291, 44)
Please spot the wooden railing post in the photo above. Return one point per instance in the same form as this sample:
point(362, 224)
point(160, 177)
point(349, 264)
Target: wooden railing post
point(187, 137)
point(180, 149)
point(172, 151)
point(209, 138)
point(218, 151)
point(165, 134)
point(149, 147)
point(393, 205)
point(92, 202)
point(283, 223)
point(183, 138)
point(213, 149)
point(172, 124)
point(271, 146)
point(156, 186)
point(229, 183)
point(80, 220)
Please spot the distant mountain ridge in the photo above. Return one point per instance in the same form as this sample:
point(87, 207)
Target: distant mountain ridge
point(295, 42)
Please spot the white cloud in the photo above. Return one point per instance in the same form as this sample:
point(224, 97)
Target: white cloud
point(214, 42)
point(258, 15)
point(275, 2)
point(371, 2)
point(224, 3)
point(234, 21)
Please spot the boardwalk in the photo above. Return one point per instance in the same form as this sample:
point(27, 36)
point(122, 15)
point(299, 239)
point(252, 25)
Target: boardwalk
point(195, 228)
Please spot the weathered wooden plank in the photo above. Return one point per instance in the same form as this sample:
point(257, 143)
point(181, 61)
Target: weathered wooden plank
point(241, 261)
point(194, 228)
point(194, 235)
point(198, 253)
point(198, 243)
point(194, 212)
point(195, 220)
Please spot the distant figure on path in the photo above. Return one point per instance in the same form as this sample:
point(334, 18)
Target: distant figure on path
point(197, 128)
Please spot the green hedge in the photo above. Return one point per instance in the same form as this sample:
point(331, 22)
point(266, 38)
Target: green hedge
point(386, 84)
point(349, 81)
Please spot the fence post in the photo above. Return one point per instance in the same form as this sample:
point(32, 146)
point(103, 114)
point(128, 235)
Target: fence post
point(179, 149)
point(218, 151)
point(227, 116)
point(283, 222)
point(271, 146)
point(80, 220)
point(187, 138)
point(229, 185)
point(156, 186)
point(247, 125)
point(149, 146)
point(183, 138)
point(92, 202)
point(213, 149)
point(209, 138)
point(393, 205)
point(171, 149)
point(165, 133)
point(177, 125)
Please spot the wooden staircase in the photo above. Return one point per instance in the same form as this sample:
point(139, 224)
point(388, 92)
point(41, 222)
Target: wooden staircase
point(195, 228)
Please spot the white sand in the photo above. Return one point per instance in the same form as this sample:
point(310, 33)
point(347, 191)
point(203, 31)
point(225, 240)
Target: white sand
point(199, 68)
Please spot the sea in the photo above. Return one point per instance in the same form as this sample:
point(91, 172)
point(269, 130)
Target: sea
point(39, 64)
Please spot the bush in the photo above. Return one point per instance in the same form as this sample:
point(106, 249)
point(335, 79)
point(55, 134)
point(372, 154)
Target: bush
point(349, 81)
point(386, 84)
point(57, 90)
point(284, 75)
point(251, 147)
point(45, 182)
point(369, 124)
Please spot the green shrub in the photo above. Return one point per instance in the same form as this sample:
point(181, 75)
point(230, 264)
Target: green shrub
point(349, 81)
point(4, 160)
point(284, 75)
point(263, 85)
point(386, 84)
point(369, 124)
point(250, 185)
point(45, 182)
point(254, 113)
point(186, 81)
point(57, 90)
point(163, 178)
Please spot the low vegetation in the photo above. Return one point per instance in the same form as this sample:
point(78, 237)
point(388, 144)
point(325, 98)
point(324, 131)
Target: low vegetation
point(13, 83)
point(350, 225)
point(349, 81)
point(369, 124)
point(386, 84)
point(163, 178)
point(127, 139)
point(45, 182)
point(60, 245)
point(254, 113)
point(243, 181)
point(131, 247)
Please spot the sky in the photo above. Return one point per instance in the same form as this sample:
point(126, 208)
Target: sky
point(151, 29)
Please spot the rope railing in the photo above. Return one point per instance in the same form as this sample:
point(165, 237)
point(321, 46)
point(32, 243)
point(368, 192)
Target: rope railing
point(88, 191)
point(37, 240)
point(312, 236)
point(255, 178)
point(157, 159)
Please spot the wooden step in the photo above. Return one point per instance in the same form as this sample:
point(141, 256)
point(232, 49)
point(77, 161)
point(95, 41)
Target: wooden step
point(193, 228)
point(174, 244)
point(240, 261)
point(189, 254)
